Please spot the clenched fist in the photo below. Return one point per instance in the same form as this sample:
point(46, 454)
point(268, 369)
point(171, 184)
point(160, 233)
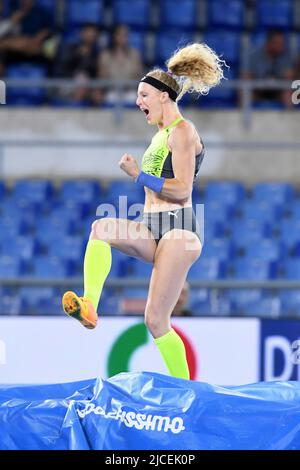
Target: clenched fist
point(129, 165)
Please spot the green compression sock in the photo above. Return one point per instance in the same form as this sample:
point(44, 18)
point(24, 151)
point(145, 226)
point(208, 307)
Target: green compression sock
point(172, 350)
point(97, 264)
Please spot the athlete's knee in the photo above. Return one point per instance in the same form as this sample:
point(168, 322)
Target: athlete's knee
point(156, 323)
point(103, 229)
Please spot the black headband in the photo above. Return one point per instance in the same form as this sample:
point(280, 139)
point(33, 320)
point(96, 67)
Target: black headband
point(160, 86)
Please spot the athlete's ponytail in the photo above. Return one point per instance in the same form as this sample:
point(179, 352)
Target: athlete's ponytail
point(199, 65)
point(195, 67)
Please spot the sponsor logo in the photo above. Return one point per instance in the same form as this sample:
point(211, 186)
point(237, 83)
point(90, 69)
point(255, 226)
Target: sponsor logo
point(140, 421)
point(174, 213)
point(280, 345)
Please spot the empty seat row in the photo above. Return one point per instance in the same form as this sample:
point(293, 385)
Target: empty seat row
point(187, 14)
point(235, 302)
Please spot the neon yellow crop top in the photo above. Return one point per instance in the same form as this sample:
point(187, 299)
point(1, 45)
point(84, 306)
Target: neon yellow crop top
point(157, 159)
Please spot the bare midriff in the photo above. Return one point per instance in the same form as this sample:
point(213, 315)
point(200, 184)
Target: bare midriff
point(156, 203)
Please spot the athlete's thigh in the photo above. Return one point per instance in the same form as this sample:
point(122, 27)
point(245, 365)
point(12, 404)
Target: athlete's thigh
point(173, 259)
point(130, 237)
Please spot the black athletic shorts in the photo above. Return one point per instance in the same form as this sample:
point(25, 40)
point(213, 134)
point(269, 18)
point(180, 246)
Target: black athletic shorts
point(160, 223)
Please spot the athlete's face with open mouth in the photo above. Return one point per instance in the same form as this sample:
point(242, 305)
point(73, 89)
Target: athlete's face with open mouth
point(148, 100)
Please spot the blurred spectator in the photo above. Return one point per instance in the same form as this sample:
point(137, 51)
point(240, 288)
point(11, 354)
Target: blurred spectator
point(297, 69)
point(120, 61)
point(80, 57)
point(272, 60)
point(24, 34)
point(180, 309)
point(79, 61)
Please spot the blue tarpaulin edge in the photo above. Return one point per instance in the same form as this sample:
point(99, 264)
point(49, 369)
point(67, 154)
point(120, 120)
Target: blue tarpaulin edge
point(144, 410)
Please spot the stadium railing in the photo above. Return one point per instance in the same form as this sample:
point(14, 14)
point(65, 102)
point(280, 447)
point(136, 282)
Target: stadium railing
point(245, 87)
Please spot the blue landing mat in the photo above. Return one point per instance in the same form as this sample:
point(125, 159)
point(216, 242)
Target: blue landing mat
point(149, 411)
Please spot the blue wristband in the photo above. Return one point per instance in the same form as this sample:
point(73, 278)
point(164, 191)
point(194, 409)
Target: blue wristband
point(152, 182)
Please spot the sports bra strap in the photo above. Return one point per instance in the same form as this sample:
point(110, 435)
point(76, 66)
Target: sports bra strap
point(174, 123)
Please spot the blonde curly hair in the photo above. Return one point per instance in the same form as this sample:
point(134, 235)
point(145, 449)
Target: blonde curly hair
point(195, 67)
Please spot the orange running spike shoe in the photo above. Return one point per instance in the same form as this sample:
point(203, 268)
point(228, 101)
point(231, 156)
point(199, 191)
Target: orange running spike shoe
point(80, 308)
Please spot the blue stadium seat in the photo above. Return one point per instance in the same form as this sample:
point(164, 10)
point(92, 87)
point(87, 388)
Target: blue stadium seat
point(135, 13)
point(6, 8)
point(174, 14)
point(253, 269)
point(214, 305)
point(260, 211)
point(199, 302)
point(63, 214)
point(290, 302)
point(228, 13)
point(120, 264)
point(198, 295)
point(82, 209)
point(292, 210)
point(36, 191)
point(30, 297)
point(51, 307)
point(290, 232)
point(22, 247)
point(206, 269)
point(67, 248)
point(273, 193)
point(10, 304)
point(263, 308)
point(296, 248)
point(258, 228)
point(223, 306)
point(137, 40)
point(216, 212)
point(168, 42)
point(266, 249)
point(122, 195)
point(292, 269)
point(227, 192)
point(47, 231)
point(9, 210)
point(78, 12)
point(10, 228)
point(220, 248)
point(243, 237)
point(274, 14)
point(202, 308)
point(50, 7)
point(83, 191)
point(10, 267)
point(226, 43)
point(125, 188)
point(110, 304)
point(240, 297)
point(140, 269)
point(213, 229)
point(51, 267)
point(33, 95)
point(221, 96)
